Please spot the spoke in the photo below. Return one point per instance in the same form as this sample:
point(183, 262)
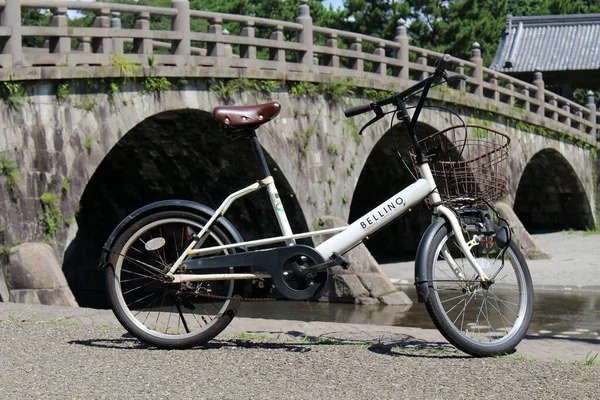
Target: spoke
point(145, 266)
point(137, 288)
point(185, 325)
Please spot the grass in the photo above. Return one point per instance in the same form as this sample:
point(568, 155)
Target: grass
point(588, 360)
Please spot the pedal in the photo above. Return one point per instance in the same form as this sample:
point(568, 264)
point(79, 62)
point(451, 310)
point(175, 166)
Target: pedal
point(340, 260)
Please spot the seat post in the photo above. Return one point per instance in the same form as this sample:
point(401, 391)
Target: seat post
point(259, 153)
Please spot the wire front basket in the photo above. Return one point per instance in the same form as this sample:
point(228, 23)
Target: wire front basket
point(468, 163)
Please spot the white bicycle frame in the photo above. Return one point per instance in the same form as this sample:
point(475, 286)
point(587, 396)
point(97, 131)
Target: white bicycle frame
point(345, 238)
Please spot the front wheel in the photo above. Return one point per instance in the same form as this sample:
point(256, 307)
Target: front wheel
point(160, 313)
point(478, 318)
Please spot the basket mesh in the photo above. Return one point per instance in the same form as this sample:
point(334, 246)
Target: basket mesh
point(469, 171)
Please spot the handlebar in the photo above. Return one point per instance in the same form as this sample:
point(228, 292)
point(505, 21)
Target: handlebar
point(440, 73)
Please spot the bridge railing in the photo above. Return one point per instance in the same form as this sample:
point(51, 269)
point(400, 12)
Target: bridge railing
point(264, 48)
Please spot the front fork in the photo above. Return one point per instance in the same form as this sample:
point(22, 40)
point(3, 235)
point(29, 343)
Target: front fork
point(449, 216)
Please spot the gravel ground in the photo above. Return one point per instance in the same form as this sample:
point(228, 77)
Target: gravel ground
point(104, 363)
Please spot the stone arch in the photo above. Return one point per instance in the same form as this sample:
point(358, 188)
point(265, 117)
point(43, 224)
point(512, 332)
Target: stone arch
point(176, 154)
point(550, 195)
point(382, 176)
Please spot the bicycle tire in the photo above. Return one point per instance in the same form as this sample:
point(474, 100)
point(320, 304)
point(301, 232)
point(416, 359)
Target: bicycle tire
point(163, 314)
point(477, 320)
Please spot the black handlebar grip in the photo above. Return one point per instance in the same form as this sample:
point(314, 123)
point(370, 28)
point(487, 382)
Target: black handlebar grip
point(353, 111)
point(442, 64)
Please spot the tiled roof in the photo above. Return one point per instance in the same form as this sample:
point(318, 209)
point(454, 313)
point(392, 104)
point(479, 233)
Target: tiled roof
point(549, 43)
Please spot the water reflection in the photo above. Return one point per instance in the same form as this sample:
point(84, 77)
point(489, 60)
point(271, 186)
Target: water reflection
point(556, 313)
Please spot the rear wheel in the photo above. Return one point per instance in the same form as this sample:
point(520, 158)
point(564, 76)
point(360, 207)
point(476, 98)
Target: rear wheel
point(479, 318)
point(154, 310)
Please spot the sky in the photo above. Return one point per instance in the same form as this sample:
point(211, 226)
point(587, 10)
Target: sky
point(335, 3)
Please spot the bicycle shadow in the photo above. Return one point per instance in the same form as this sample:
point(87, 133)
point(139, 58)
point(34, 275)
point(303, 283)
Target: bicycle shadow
point(293, 341)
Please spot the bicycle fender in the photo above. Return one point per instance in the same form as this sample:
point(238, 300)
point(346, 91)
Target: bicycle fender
point(421, 283)
point(166, 205)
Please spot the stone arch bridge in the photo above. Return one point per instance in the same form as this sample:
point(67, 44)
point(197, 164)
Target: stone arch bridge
point(104, 119)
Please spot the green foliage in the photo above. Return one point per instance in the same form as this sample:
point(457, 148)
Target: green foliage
point(589, 360)
point(333, 150)
point(65, 184)
point(9, 169)
point(127, 66)
point(113, 88)
point(15, 94)
point(302, 88)
point(156, 84)
point(87, 145)
point(52, 215)
point(62, 92)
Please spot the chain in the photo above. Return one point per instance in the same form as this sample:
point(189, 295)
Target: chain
point(239, 298)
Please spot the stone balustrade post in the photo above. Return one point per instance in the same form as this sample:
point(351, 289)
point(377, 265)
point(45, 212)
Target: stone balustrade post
point(248, 51)
point(10, 16)
point(460, 70)
point(527, 103)
point(591, 105)
point(567, 120)
point(511, 88)
point(357, 64)
point(181, 23)
point(115, 23)
point(217, 48)
point(277, 53)
point(422, 60)
point(540, 95)
point(85, 45)
point(478, 72)
point(494, 82)
point(305, 36)
point(142, 46)
point(580, 125)
point(332, 60)
point(380, 67)
point(402, 53)
point(227, 49)
point(102, 44)
point(554, 105)
point(59, 44)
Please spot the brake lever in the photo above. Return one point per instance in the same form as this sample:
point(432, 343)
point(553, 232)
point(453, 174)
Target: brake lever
point(378, 115)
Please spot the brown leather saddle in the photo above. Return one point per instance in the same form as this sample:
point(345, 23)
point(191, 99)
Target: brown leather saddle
point(246, 116)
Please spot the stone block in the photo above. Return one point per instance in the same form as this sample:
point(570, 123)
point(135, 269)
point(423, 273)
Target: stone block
point(376, 284)
point(395, 299)
point(35, 276)
point(347, 288)
point(523, 238)
point(369, 301)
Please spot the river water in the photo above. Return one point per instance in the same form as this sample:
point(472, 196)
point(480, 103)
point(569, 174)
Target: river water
point(558, 313)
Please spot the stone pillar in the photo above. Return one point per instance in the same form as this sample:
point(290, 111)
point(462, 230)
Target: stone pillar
point(567, 120)
point(357, 63)
point(143, 46)
point(10, 16)
point(460, 70)
point(332, 60)
point(102, 44)
point(380, 67)
point(540, 95)
point(510, 87)
point(478, 72)
point(402, 53)
point(115, 23)
point(554, 104)
point(591, 105)
point(59, 44)
point(217, 48)
point(305, 36)
point(494, 82)
point(248, 51)
point(277, 53)
point(422, 60)
point(181, 24)
point(527, 104)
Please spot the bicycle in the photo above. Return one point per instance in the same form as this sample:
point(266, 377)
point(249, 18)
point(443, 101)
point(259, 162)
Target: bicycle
point(177, 270)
